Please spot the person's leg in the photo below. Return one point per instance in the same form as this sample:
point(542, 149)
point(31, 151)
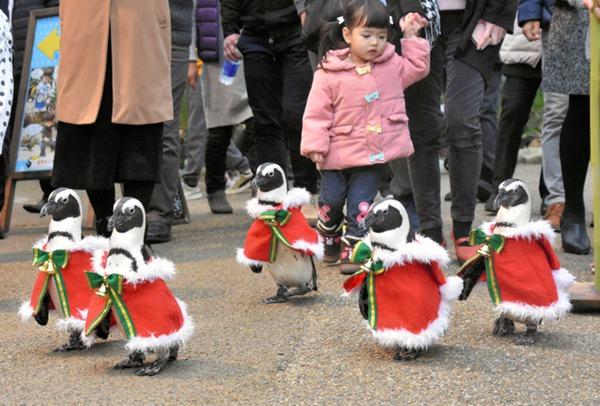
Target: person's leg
point(264, 85)
point(518, 95)
point(400, 188)
point(489, 132)
point(195, 142)
point(425, 125)
point(216, 151)
point(102, 202)
point(139, 190)
point(297, 79)
point(166, 194)
point(234, 160)
point(462, 125)
point(331, 212)
point(574, 160)
point(555, 110)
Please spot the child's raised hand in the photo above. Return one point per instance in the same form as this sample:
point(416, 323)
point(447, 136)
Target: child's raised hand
point(316, 157)
point(411, 24)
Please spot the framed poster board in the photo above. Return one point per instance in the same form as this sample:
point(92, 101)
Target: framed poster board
point(34, 130)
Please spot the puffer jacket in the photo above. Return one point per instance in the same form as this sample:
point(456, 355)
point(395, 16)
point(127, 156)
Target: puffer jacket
point(516, 49)
point(260, 18)
point(20, 21)
point(207, 30)
point(356, 116)
point(535, 10)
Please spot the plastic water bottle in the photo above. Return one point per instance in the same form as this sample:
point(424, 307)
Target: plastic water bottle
point(230, 69)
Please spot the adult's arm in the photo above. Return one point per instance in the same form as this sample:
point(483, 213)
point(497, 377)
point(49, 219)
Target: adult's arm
point(399, 8)
point(530, 10)
point(500, 12)
point(231, 16)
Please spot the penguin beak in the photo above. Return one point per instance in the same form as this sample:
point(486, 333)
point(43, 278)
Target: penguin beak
point(115, 221)
point(371, 219)
point(48, 208)
point(260, 181)
point(505, 200)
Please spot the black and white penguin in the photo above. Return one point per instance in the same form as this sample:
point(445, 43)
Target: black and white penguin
point(403, 293)
point(525, 279)
point(132, 285)
point(61, 280)
point(285, 245)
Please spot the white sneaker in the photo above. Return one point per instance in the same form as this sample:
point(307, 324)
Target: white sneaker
point(240, 183)
point(192, 193)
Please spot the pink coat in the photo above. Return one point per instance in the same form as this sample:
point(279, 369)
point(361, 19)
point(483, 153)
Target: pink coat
point(357, 116)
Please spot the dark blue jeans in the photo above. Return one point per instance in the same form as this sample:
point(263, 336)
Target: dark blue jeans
point(355, 188)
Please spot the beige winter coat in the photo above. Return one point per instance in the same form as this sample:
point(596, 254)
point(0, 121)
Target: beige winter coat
point(140, 37)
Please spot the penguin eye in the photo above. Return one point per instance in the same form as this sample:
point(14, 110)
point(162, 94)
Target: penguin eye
point(270, 174)
point(131, 210)
point(64, 200)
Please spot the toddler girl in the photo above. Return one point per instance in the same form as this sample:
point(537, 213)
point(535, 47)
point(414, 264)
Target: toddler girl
point(355, 118)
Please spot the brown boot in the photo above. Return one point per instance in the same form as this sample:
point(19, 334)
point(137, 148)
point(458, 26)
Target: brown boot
point(331, 238)
point(553, 214)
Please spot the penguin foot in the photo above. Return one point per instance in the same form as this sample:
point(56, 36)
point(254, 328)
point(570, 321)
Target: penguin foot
point(280, 297)
point(503, 327)
point(163, 357)
point(74, 344)
point(299, 291)
point(407, 355)
point(530, 336)
point(134, 360)
point(173, 352)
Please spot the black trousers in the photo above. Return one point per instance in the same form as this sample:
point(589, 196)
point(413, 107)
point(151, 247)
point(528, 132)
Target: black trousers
point(575, 156)
point(278, 79)
point(216, 151)
point(518, 95)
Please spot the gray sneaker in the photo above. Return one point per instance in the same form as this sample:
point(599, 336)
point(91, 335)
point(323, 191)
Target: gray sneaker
point(240, 183)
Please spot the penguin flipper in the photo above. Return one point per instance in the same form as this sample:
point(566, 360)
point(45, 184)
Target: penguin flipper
point(314, 274)
point(42, 315)
point(103, 329)
point(363, 300)
point(470, 273)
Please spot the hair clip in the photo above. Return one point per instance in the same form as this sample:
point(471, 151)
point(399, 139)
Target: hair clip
point(391, 20)
point(341, 20)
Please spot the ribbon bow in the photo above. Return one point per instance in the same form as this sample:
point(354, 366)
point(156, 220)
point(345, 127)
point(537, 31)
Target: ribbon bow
point(275, 219)
point(495, 243)
point(363, 254)
point(51, 263)
point(111, 287)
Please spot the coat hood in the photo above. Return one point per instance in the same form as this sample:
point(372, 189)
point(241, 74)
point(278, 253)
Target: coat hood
point(337, 60)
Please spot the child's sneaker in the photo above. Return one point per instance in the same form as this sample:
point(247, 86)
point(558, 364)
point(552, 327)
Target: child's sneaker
point(347, 267)
point(331, 243)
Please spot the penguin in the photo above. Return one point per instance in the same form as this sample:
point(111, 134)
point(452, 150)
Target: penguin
point(404, 296)
point(280, 237)
point(130, 290)
point(525, 280)
point(62, 257)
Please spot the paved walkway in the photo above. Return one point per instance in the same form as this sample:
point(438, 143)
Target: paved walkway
point(312, 349)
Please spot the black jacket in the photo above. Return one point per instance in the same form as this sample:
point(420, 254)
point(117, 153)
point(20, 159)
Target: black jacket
point(499, 12)
point(20, 21)
point(259, 18)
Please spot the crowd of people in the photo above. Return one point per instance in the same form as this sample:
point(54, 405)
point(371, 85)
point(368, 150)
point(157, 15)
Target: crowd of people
point(350, 97)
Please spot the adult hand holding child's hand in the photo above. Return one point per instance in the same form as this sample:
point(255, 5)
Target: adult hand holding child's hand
point(316, 157)
point(411, 24)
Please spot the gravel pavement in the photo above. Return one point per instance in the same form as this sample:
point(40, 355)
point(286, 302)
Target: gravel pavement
point(313, 349)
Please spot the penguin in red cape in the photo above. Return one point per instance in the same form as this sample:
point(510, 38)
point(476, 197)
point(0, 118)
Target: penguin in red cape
point(404, 296)
point(280, 237)
point(130, 290)
point(525, 280)
point(62, 259)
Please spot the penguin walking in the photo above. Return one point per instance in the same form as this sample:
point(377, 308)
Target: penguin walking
point(130, 291)
point(524, 277)
point(62, 258)
point(403, 293)
point(280, 236)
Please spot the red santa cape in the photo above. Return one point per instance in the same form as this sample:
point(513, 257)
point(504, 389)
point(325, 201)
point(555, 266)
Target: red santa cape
point(527, 281)
point(409, 301)
point(67, 286)
point(262, 239)
point(141, 303)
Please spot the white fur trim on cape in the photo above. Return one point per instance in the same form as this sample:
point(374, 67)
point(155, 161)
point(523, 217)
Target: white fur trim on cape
point(244, 260)
point(316, 248)
point(536, 314)
point(26, 311)
point(89, 244)
point(179, 337)
point(72, 323)
point(533, 230)
point(434, 331)
point(422, 249)
point(157, 268)
point(295, 197)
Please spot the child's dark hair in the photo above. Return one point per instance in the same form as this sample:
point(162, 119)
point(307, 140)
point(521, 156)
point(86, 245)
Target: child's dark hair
point(370, 13)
